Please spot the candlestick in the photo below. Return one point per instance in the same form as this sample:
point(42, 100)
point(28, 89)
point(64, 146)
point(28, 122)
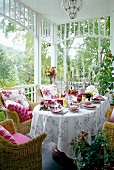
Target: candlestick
point(66, 85)
point(83, 72)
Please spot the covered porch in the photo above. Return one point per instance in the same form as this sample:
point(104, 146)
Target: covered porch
point(48, 22)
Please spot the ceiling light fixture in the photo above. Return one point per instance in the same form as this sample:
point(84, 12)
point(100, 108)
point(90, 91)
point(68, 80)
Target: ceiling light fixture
point(72, 7)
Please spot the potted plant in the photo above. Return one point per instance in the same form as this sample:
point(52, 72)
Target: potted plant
point(105, 77)
point(92, 157)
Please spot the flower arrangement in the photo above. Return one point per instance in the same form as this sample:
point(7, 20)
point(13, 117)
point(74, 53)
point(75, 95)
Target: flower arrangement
point(90, 93)
point(51, 72)
point(47, 104)
point(92, 156)
point(72, 91)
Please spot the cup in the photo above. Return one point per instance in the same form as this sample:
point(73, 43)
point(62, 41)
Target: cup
point(64, 102)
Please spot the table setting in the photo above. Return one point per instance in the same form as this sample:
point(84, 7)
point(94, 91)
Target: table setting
point(62, 123)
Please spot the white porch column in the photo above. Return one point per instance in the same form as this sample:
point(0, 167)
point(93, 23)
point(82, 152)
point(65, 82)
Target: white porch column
point(99, 44)
point(54, 45)
point(112, 33)
point(64, 57)
point(37, 52)
point(112, 38)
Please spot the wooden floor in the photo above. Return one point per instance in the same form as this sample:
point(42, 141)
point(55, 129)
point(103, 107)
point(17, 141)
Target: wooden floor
point(61, 162)
point(48, 163)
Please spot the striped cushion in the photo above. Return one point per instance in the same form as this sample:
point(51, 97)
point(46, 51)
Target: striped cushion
point(6, 135)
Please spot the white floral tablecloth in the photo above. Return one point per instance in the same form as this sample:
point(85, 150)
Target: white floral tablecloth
point(61, 129)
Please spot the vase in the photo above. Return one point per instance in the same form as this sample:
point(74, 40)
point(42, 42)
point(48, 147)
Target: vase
point(51, 79)
point(88, 96)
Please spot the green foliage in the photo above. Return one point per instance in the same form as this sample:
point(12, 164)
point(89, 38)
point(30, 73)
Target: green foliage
point(15, 68)
point(21, 67)
point(112, 101)
point(105, 77)
point(89, 157)
point(2, 116)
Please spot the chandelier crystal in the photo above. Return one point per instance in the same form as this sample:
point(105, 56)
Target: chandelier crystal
point(72, 7)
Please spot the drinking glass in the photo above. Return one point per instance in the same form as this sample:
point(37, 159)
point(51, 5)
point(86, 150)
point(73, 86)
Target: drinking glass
point(64, 102)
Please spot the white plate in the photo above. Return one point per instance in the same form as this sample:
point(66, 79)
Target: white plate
point(90, 108)
point(96, 101)
point(74, 111)
point(58, 111)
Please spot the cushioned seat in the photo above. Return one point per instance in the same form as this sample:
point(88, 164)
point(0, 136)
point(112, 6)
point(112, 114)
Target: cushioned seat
point(19, 111)
point(23, 154)
point(20, 138)
point(108, 127)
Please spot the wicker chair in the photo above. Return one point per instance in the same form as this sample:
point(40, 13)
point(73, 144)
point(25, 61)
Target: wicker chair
point(21, 127)
point(108, 128)
point(39, 92)
point(26, 156)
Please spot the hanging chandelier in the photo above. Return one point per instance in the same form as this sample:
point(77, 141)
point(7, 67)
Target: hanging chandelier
point(72, 7)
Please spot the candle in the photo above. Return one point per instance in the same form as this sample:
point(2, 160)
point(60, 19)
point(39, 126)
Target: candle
point(72, 73)
point(66, 68)
point(61, 78)
point(83, 71)
point(66, 84)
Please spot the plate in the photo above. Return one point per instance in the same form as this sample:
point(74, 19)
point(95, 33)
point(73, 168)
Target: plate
point(56, 111)
point(98, 98)
point(74, 110)
point(90, 107)
point(96, 101)
point(86, 103)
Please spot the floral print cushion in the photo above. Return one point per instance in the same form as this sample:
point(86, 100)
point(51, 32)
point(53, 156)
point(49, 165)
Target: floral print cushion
point(17, 96)
point(20, 109)
point(49, 91)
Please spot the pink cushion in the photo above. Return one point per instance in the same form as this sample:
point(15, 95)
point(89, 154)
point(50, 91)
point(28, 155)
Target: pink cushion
point(20, 138)
point(49, 91)
point(20, 109)
point(7, 135)
point(30, 114)
point(17, 96)
point(112, 116)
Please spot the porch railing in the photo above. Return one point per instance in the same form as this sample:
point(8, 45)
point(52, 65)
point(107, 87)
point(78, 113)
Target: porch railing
point(31, 90)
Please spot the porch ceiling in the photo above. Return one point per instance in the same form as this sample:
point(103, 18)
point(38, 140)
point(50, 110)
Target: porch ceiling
point(52, 10)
